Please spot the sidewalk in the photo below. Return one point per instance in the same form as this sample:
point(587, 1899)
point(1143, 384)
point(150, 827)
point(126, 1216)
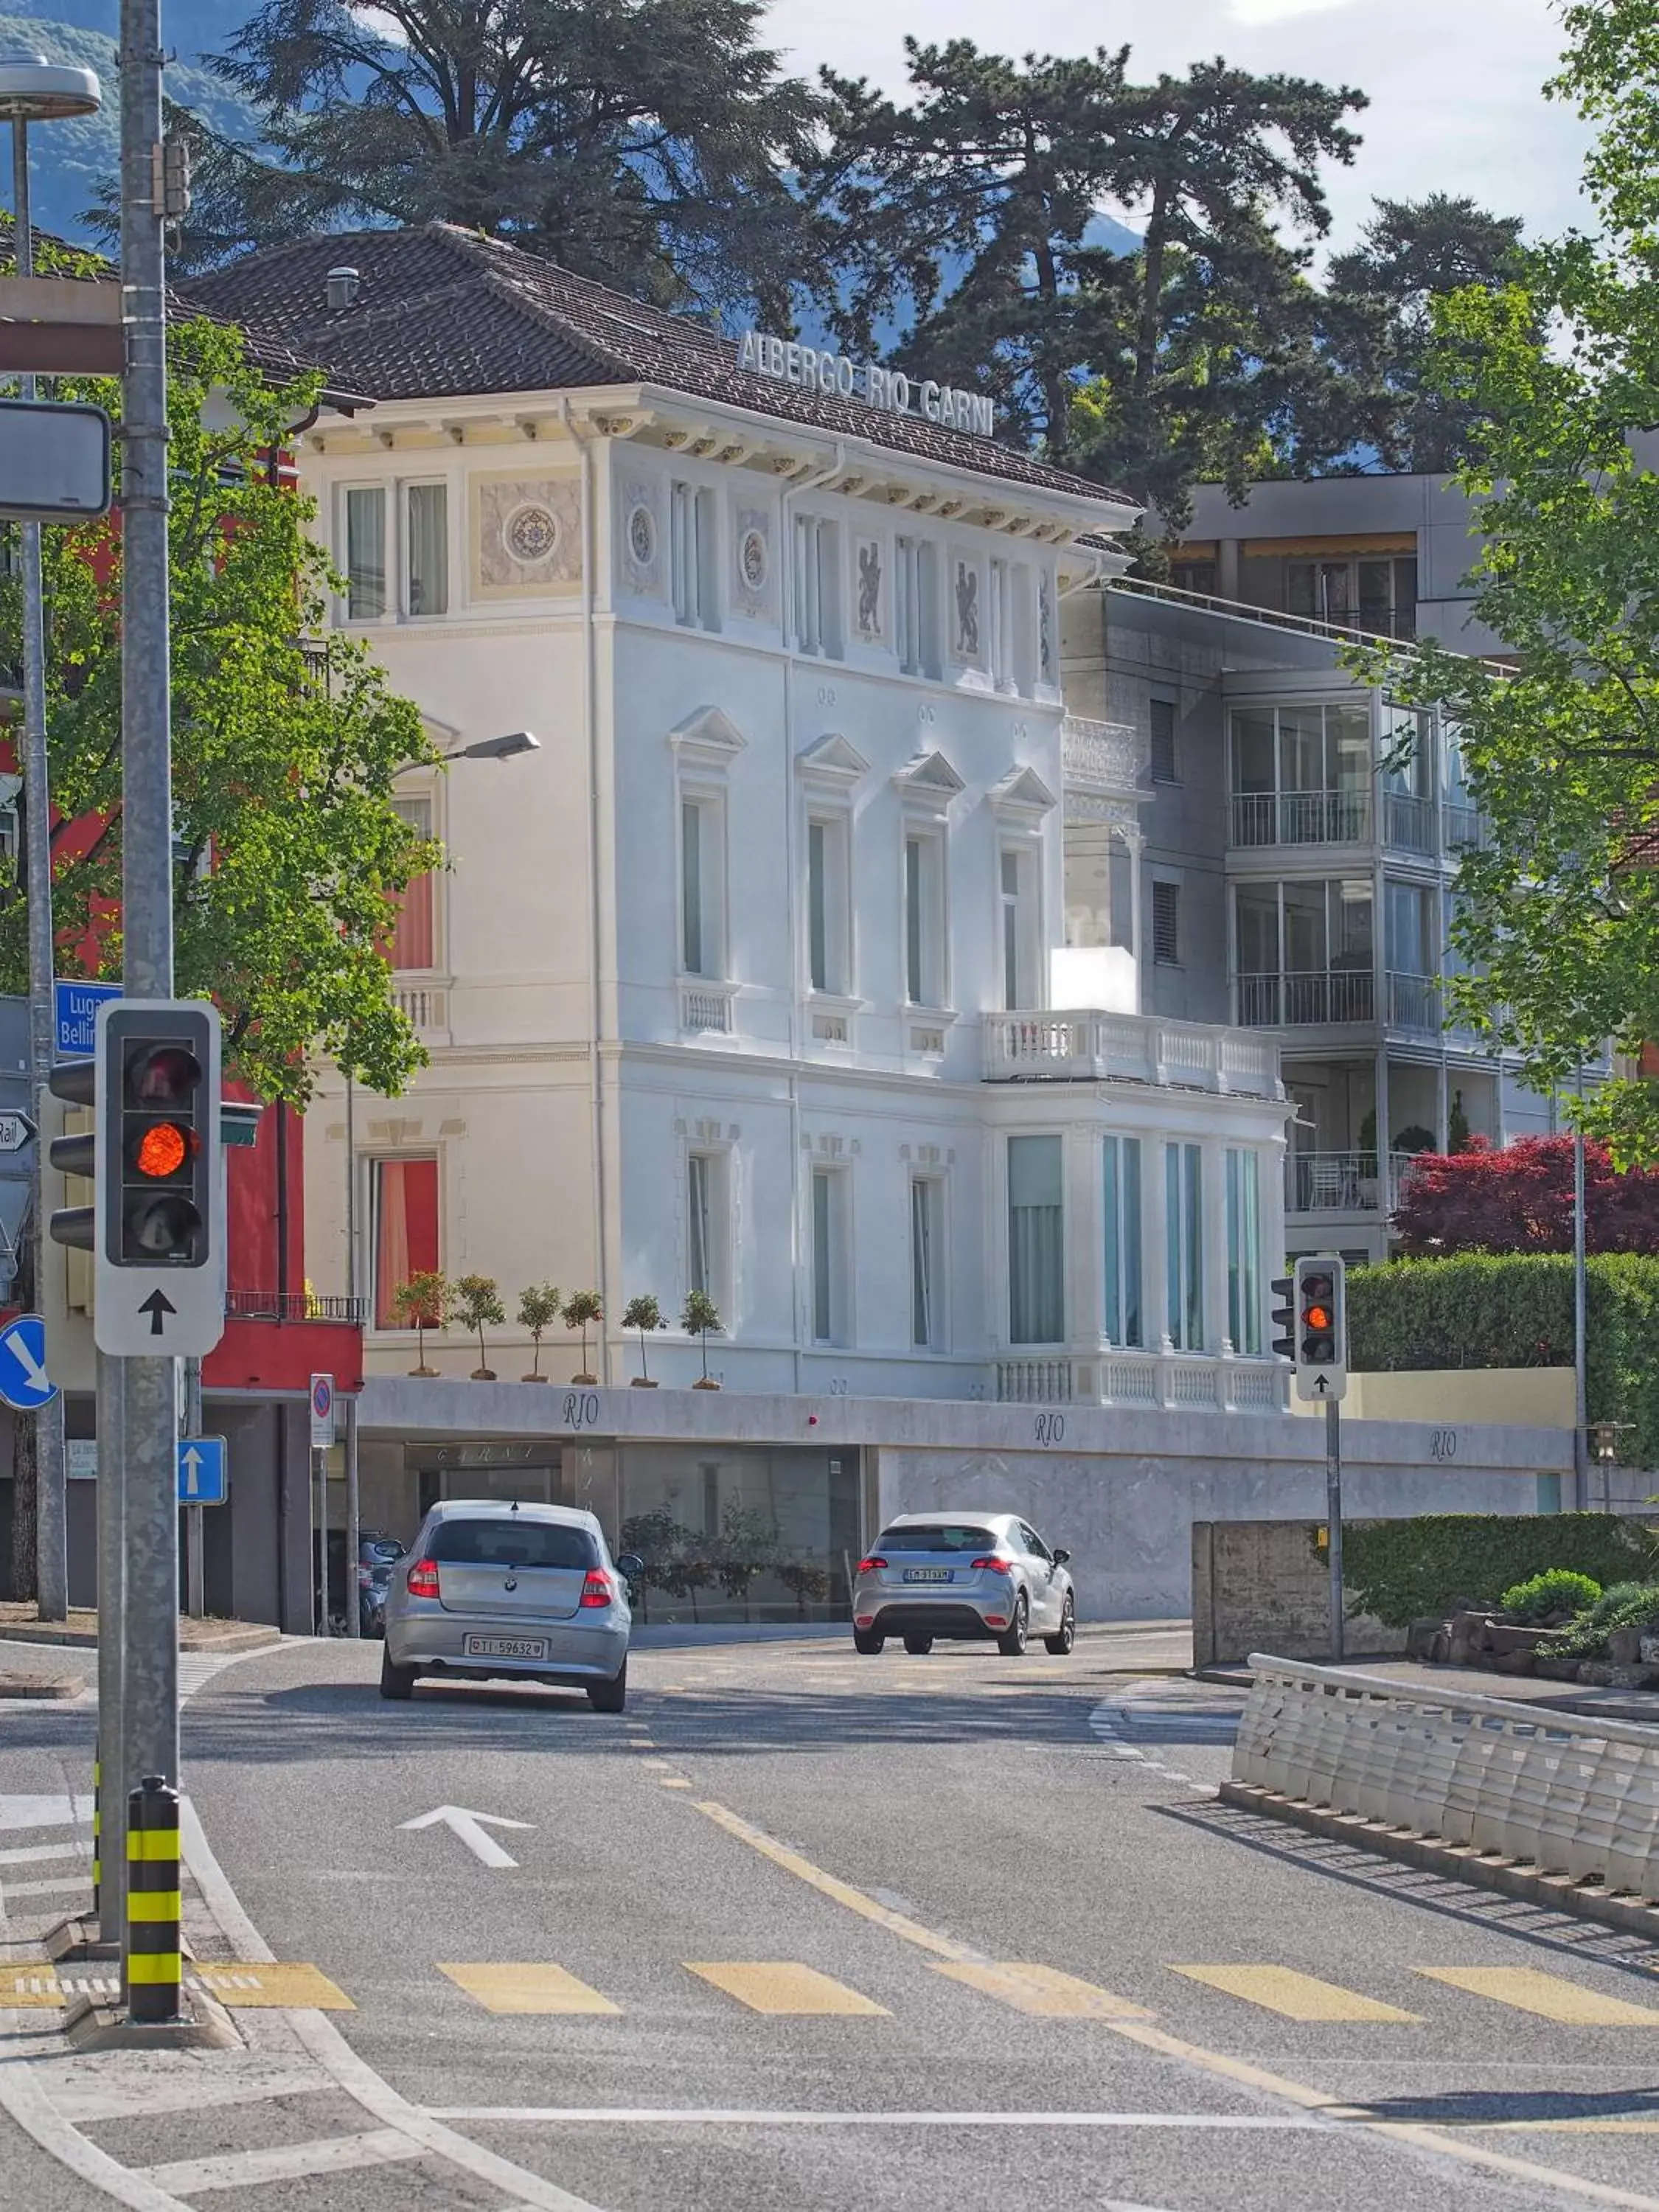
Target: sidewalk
point(21, 1624)
point(1640, 1707)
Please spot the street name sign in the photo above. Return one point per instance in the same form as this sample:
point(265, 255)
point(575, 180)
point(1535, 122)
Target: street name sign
point(204, 1471)
point(16, 1130)
point(24, 1382)
point(75, 1016)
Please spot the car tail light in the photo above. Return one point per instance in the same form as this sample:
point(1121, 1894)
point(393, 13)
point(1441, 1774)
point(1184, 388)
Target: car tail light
point(864, 1620)
point(597, 1590)
point(993, 1566)
point(868, 1566)
point(995, 1620)
point(364, 1578)
point(423, 1579)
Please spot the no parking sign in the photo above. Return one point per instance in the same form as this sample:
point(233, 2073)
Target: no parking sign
point(322, 1413)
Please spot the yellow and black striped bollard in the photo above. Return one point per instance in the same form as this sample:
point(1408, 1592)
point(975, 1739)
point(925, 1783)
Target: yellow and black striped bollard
point(153, 1907)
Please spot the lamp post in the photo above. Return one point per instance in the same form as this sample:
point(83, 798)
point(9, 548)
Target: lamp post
point(34, 90)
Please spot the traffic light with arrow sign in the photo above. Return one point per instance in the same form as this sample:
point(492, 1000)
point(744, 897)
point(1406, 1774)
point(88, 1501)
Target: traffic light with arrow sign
point(1321, 1343)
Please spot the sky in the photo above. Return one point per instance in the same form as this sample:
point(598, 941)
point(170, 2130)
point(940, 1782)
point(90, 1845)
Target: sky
point(1455, 85)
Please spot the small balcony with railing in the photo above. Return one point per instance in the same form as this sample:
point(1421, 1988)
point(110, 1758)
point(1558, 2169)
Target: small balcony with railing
point(1088, 1046)
point(1343, 1183)
point(1300, 818)
point(1308, 999)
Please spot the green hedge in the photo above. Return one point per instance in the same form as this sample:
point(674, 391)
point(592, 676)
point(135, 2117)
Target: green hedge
point(1515, 1310)
point(1401, 1570)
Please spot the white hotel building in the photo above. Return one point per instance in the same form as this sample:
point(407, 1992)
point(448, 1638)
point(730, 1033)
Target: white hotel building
point(754, 977)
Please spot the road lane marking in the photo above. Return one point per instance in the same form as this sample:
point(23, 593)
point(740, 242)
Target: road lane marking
point(673, 1781)
point(1548, 1995)
point(528, 1988)
point(1298, 1997)
point(1043, 1991)
point(247, 2169)
point(741, 2116)
point(31, 1853)
point(1218, 2064)
point(782, 1986)
point(470, 1829)
point(285, 1987)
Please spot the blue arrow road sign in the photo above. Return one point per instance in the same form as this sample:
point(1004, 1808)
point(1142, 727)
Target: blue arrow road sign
point(24, 1382)
point(75, 1017)
point(204, 1476)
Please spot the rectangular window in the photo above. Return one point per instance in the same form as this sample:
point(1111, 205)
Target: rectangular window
point(403, 1229)
point(829, 1255)
point(425, 549)
point(1036, 1277)
point(924, 919)
point(829, 920)
point(1163, 741)
point(926, 1256)
point(1244, 1251)
point(817, 586)
point(1166, 923)
point(365, 560)
point(701, 1212)
point(691, 556)
point(414, 929)
point(1017, 885)
point(703, 950)
point(915, 606)
point(1122, 1210)
point(1183, 1215)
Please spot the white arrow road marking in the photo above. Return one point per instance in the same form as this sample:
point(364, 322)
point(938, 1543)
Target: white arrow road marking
point(469, 1828)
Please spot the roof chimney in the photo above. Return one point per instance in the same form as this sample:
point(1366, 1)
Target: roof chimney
point(342, 288)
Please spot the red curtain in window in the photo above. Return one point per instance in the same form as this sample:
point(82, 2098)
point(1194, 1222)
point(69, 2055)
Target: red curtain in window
point(405, 1227)
point(414, 932)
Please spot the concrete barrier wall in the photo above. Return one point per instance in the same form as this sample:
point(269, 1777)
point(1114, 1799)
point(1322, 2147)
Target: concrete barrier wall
point(1265, 1586)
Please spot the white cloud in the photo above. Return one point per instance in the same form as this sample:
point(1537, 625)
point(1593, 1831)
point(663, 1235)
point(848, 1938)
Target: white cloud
point(1456, 103)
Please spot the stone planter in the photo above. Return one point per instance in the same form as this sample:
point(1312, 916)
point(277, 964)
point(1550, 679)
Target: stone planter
point(641, 1383)
point(1510, 1663)
point(1555, 1670)
point(532, 1378)
point(1502, 1636)
point(705, 1383)
point(584, 1382)
point(427, 1374)
point(1596, 1673)
point(481, 1374)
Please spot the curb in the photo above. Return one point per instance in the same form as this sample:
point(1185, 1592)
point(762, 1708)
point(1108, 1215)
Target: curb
point(41, 1686)
point(251, 1638)
point(1461, 1862)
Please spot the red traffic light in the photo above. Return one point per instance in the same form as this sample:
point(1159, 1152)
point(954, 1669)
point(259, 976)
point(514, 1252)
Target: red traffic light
point(165, 1075)
point(1317, 1317)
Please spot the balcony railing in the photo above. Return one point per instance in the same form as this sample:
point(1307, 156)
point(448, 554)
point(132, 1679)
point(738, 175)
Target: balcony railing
point(1315, 998)
point(1092, 1047)
point(1301, 817)
point(1104, 757)
point(1463, 828)
point(1342, 1182)
point(293, 1305)
point(1408, 822)
point(1414, 1004)
point(707, 1007)
point(1180, 1381)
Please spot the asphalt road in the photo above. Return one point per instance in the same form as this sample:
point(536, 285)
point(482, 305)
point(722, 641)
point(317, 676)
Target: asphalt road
point(806, 1930)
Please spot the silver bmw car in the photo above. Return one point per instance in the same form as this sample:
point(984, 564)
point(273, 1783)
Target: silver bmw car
point(962, 1575)
point(527, 1592)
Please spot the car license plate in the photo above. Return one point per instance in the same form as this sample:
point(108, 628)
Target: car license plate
point(928, 1574)
point(503, 1647)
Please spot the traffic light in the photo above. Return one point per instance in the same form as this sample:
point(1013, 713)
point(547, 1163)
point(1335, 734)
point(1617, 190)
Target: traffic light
point(1284, 1316)
point(1321, 1349)
point(75, 1082)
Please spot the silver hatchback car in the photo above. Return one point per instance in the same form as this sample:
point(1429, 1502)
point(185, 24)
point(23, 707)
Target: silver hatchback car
point(964, 1576)
point(526, 1592)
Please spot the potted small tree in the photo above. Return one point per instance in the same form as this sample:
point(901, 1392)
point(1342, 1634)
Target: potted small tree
point(643, 1314)
point(477, 1307)
point(539, 1307)
point(421, 1302)
point(582, 1309)
point(697, 1316)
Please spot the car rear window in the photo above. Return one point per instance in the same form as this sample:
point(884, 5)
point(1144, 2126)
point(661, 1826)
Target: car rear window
point(509, 1543)
point(937, 1536)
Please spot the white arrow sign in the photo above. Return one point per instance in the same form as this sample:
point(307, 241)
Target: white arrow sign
point(16, 1130)
point(469, 1828)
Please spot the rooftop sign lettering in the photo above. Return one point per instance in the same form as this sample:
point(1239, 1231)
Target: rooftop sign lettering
point(839, 377)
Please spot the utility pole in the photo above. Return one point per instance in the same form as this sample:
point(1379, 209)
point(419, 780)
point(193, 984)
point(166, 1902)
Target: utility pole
point(1334, 1519)
point(151, 1673)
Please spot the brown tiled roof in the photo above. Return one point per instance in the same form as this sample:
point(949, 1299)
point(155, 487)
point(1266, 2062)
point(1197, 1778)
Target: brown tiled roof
point(447, 313)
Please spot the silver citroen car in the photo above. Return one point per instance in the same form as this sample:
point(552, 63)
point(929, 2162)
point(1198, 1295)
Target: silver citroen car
point(962, 1575)
point(524, 1592)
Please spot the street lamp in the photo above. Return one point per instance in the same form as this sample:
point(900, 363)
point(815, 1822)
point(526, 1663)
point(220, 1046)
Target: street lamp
point(36, 91)
point(508, 748)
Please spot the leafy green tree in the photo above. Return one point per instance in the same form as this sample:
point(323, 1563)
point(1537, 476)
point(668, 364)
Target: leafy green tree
point(539, 1307)
point(478, 1306)
point(288, 844)
point(697, 1316)
point(1558, 915)
point(582, 1309)
point(423, 1301)
point(748, 1546)
point(644, 1313)
point(1377, 322)
point(1149, 368)
point(646, 143)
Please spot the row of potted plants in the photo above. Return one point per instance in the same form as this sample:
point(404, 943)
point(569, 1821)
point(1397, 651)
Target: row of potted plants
point(428, 1299)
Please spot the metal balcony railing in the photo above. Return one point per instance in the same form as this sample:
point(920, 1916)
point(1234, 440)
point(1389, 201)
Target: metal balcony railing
point(294, 1305)
point(1301, 818)
point(1462, 829)
point(1414, 1004)
point(1408, 821)
point(1310, 999)
point(1342, 1182)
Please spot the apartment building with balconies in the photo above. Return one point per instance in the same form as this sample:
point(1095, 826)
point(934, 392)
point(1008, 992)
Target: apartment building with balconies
point(1293, 871)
